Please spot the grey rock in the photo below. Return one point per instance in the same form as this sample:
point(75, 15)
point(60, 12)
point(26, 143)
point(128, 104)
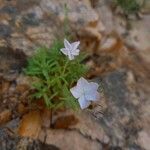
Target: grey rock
point(30, 19)
point(5, 31)
point(9, 9)
point(12, 142)
point(120, 119)
point(12, 62)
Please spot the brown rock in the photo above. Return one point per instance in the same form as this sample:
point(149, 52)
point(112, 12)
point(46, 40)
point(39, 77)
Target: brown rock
point(30, 125)
point(46, 113)
point(65, 122)
point(5, 86)
point(71, 140)
point(21, 88)
point(5, 116)
point(22, 109)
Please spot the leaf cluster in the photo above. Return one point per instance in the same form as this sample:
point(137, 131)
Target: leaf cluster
point(54, 75)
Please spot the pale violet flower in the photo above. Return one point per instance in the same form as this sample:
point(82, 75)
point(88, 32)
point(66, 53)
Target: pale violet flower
point(71, 49)
point(85, 92)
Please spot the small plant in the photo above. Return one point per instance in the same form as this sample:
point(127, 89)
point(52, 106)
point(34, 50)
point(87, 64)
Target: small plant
point(129, 6)
point(54, 75)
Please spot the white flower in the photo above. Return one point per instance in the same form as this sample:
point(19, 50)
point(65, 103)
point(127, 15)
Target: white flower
point(71, 49)
point(85, 92)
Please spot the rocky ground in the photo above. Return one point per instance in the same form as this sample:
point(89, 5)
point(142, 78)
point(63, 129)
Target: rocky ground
point(118, 48)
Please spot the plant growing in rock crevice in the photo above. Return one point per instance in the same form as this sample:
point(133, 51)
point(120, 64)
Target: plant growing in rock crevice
point(54, 74)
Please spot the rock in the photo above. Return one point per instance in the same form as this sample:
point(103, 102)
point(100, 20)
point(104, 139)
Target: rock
point(65, 122)
point(46, 114)
point(78, 131)
point(5, 87)
point(13, 142)
point(21, 88)
point(5, 30)
point(72, 140)
point(5, 116)
point(76, 11)
point(138, 35)
point(90, 39)
point(118, 107)
point(144, 139)
point(108, 43)
point(22, 109)
point(30, 125)
point(146, 7)
point(28, 26)
point(134, 32)
point(11, 62)
point(105, 13)
point(86, 125)
point(125, 114)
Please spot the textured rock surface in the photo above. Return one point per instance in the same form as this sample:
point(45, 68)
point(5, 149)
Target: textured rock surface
point(120, 121)
point(12, 142)
point(86, 134)
point(26, 25)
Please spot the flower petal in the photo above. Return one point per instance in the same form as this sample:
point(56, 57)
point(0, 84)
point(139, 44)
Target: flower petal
point(67, 44)
point(75, 45)
point(76, 92)
point(94, 86)
point(70, 56)
point(64, 51)
point(92, 96)
point(75, 52)
point(83, 102)
point(82, 83)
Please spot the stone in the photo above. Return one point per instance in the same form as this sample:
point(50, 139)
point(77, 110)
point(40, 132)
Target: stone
point(5, 87)
point(30, 125)
point(22, 109)
point(29, 25)
point(46, 114)
point(139, 33)
point(105, 14)
point(5, 116)
point(5, 30)
point(86, 125)
point(11, 141)
point(146, 7)
point(75, 140)
point(65, 122)
point(30, 19)
point(12, 62)
point(9, 9)
point(77, 128)
point(144, 139)
point(108, 43)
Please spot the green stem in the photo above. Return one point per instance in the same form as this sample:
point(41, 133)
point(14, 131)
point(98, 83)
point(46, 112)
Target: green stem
point(66, 20)
point(65, 67)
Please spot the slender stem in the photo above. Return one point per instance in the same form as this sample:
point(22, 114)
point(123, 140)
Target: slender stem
point(65, 67)
point(66, 20)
